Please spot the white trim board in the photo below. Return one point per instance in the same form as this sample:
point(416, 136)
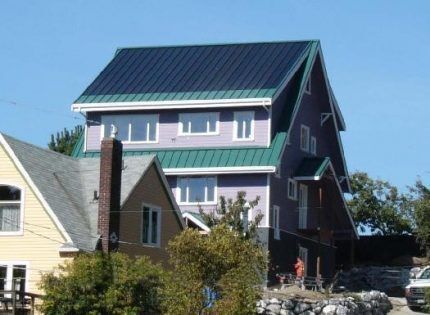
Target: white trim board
point(148, 105)
point(220, 170)
point(189, 216)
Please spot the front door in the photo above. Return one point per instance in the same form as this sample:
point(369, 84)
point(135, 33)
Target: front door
point(303, 254)
point(303, 206)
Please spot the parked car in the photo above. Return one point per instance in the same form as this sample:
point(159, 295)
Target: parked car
point(415, 290)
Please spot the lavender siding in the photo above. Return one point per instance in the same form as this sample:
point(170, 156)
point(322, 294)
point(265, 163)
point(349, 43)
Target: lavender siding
point(309, 114)
point(168, 131)
point(228, 186)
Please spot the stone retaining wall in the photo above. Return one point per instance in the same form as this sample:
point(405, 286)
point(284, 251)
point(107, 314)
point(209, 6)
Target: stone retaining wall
point(366, 303)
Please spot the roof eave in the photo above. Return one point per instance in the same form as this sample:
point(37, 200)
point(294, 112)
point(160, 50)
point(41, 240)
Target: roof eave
point(171, 104)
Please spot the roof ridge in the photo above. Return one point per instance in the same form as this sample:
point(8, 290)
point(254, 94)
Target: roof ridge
point(49, 151)
point(218, 44)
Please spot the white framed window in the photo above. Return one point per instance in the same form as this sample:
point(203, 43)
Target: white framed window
point(132, 128)
point(13, 275)
point(304, 138)
point(11, 210)
point(197, 190)
point(151, 225)
point(276, 229)
point(292, 189)
point(198, 124)
point(243, 126)
point(303, 206)
point(308, 86)
point(314, 145)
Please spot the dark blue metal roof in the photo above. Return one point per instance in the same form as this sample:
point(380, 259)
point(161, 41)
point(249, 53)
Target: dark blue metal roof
point(196, 72)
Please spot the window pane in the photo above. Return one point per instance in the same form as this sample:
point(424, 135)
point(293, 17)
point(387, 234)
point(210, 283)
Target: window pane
point(212, 122)
point(18, 277)
point(198, 124)
point(152, 121)
point(244, 124)
point(182, 184)
point(3, 275)
point(139, 129)
point(154, 237)
point(9, 217)
point(196, 187)
point(210, 182)
point(145, 224)
point(9, 193)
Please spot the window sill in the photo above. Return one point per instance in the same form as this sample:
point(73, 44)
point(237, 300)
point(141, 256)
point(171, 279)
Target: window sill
point(208, 203)
point(151, 245)
point(243, 140)
point(17, 233)
point(198, 134)
point(139, 142)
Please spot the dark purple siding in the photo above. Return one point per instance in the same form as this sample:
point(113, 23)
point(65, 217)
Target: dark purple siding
point(168, 130)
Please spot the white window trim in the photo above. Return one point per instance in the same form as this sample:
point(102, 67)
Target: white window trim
point(313, 145)
point(276, 229)
point(235, 126)
point(129, 141)
point(21, 213)
point(205, 203)
point(153, 208)
point(308, 138)
point(9, 272)
point(294, 182)
point(308, 86)
point(208, 133)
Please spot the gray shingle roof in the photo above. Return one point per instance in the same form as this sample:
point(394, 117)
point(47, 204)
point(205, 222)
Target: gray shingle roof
point(68, 186)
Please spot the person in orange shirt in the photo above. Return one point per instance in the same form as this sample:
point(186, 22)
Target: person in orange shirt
point(299, 267)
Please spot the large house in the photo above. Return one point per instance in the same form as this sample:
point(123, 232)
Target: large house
point(53, 206)
point(255, 117)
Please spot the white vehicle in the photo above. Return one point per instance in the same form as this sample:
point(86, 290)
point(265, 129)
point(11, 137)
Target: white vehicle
point(415, 290)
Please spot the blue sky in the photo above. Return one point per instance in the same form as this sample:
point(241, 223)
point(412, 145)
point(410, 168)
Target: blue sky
point(377, 55)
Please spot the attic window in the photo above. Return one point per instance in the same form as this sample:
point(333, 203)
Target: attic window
point(10, 210)
point(304, 138)
point(308, 85)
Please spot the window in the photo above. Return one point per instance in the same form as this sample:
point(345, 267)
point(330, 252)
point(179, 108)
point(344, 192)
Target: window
point(132, 128)
point(243, 126)
point(151, 225)
point(308, 85)
point(196, 190)
point(198, 124)
point(292, 189)
point(304, 138)
point(314, 145)
point(276, 222)
point(10, 210)
point(13, 276)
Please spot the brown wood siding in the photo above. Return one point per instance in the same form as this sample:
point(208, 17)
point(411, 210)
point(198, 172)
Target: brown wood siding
point(150, 190)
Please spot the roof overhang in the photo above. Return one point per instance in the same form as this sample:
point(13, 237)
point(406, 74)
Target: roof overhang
point(220, 170)
point(182, 104)
point(199, 223)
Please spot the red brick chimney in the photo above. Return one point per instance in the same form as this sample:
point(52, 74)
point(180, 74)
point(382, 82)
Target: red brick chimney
point(109, 193)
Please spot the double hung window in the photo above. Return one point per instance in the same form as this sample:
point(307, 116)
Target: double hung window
point(198, 123)
point(196, 190)
point(10, 209)
point(243, 126)
point(132, 128)
point(151, 225)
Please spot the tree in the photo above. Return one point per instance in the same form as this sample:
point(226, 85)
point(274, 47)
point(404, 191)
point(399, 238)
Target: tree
point(65, 141)
point(421, 204)
point(231, 213)
point(379, 206)
point(219, 273)
point(102, 284)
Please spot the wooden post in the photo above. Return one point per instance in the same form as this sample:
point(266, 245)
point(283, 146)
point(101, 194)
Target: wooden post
point(352, 249)
point(13, 302)
point(32, 305)
point(319, 233)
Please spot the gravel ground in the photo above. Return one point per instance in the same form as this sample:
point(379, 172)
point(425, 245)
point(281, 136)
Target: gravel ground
point(400, 307)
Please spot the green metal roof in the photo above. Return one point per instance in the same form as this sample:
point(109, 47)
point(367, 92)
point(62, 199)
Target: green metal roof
point(196, 72)
point(312, 167)
point(205, 157)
